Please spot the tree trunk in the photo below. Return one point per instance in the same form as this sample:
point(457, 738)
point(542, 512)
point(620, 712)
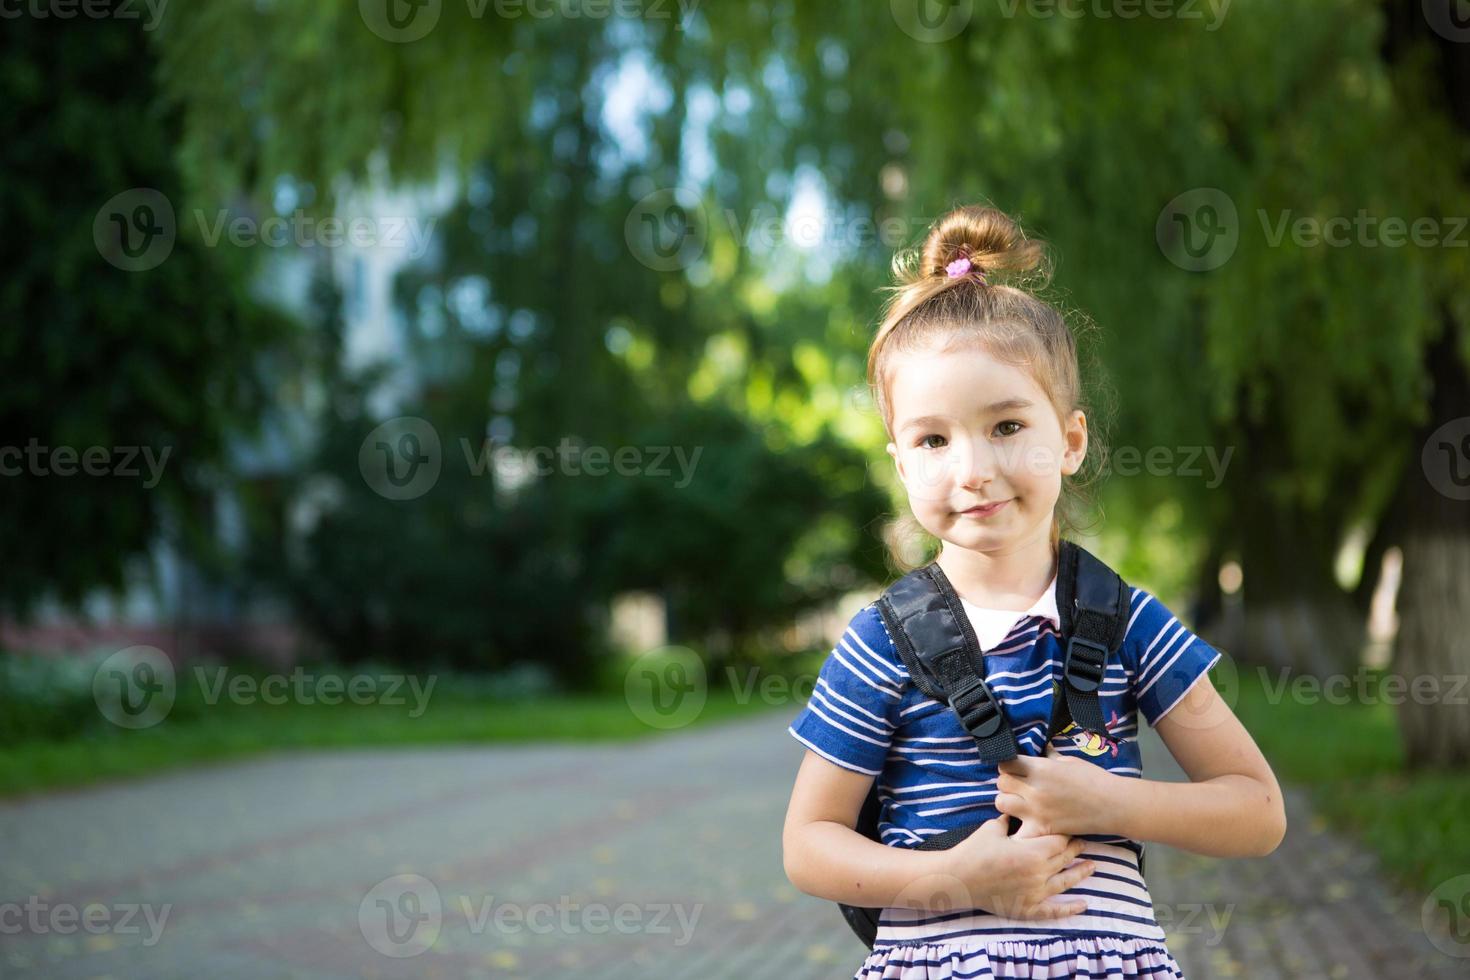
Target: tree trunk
point(1295, 614)
point(1431, 648)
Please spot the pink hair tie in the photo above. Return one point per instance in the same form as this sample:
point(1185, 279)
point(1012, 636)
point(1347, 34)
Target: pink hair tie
point(960, 267)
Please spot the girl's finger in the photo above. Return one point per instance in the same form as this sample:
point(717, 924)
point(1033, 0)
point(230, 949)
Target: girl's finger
point(1009, 804)
point(1066, 878)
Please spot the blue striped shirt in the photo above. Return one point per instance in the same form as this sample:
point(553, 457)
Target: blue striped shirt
point(866, 715)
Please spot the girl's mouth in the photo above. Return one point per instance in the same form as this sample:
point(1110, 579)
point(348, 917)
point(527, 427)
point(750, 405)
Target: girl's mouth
point(985, 511)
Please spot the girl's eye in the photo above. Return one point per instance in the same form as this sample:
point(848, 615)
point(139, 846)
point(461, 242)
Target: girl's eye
point(1018, 427)
point(923, 443)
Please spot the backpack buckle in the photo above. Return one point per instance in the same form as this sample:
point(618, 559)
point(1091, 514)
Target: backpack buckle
point(1086, 663)
point(978, 709)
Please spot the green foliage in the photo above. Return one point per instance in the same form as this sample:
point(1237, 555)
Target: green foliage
point(753, 536)
point(162, 361)
point(452, 578)
point(461, 708)
point(534, 318)
point(1351, 757)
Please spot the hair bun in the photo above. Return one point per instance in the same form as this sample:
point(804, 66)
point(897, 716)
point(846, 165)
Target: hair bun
point(988, 237)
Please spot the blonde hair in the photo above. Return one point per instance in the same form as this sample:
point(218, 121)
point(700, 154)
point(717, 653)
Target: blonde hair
point(995, 306)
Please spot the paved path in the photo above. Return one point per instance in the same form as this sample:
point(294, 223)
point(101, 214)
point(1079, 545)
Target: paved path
point(657, 859)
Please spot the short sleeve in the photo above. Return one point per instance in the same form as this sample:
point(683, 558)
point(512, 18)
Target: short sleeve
point(853, 711)
point(1167, 659)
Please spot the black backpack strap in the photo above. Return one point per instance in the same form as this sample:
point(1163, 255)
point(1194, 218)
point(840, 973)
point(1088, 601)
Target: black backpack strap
point(937, 644)
point(1092, 601)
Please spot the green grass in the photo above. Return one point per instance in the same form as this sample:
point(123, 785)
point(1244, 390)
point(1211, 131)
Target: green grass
point(1351, 759)
point(460, 709)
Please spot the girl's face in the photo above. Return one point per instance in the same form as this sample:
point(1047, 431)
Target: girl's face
point(970, 430)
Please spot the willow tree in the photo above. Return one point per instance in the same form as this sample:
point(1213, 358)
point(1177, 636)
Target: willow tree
point(1201, 178)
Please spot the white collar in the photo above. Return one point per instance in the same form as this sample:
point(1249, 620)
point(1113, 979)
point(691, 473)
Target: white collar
point(1046, 606)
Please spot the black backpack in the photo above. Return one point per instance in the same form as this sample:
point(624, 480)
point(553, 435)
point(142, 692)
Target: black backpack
point(937, 645)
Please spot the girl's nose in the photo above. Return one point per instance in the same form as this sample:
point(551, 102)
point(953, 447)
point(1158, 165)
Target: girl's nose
point(975, 463)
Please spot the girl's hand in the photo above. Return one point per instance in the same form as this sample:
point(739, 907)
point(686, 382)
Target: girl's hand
point(1022, 879)
point(1057, 794)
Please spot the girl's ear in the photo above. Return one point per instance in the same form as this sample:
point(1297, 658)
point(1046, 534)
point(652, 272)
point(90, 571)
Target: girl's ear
point(1076, 436)
point(897, 463)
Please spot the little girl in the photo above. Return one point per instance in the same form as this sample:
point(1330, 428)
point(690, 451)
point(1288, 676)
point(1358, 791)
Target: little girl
point(977, 382)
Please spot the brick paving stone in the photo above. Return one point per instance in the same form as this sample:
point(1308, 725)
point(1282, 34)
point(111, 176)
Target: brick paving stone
point(266, 867)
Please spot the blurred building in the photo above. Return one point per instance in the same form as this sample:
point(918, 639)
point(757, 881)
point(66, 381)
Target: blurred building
point(169, 602)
